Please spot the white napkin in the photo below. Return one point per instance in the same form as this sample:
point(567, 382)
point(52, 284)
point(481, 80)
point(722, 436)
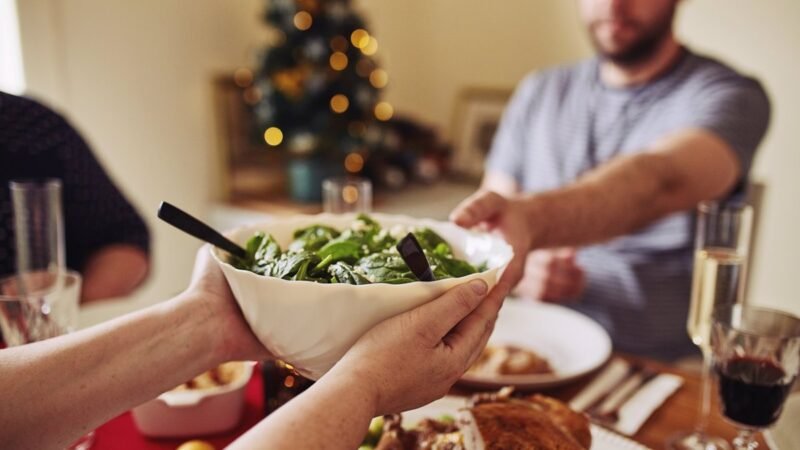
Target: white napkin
point(635, 411)
point(638, 408)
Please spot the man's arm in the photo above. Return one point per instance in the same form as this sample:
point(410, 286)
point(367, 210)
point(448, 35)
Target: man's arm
point(614, 199)
point(633, 191)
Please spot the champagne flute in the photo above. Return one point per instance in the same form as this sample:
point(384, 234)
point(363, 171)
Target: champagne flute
point(756, 356)
point(721, 247)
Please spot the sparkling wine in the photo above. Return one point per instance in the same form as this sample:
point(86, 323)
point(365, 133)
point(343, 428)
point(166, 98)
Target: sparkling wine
point(752, 390)
point(716, 282)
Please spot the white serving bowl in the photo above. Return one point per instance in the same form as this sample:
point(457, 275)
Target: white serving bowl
point(311, 325)
point(195, 412)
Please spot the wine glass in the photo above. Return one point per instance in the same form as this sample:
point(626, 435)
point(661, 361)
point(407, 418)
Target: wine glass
point(722, 241)
point(756, 357)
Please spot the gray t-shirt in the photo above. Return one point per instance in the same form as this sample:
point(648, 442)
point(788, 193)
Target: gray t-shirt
point(565, 121)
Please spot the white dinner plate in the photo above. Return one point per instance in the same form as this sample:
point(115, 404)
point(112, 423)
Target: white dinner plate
point(602, 439)
point(574, 344)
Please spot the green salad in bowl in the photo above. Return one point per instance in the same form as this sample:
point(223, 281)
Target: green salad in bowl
point(311, 285)
point(363, 253)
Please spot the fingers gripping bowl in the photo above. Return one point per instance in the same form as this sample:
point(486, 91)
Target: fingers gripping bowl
point(311, 325)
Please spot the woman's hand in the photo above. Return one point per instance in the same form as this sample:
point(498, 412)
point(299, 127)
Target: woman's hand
point(414, 358)
point(209, 289)
point(403, 362)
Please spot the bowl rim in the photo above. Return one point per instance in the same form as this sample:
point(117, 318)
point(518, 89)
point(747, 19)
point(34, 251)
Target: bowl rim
point(193, 397)
point(255, 226)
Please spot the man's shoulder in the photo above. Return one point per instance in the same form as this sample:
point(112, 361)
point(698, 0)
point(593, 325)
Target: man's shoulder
point(705, 71)
point(565, 73)
point(559, 78)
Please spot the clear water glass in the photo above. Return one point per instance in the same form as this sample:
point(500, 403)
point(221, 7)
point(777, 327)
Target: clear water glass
point(341, 195)
point(41, 300)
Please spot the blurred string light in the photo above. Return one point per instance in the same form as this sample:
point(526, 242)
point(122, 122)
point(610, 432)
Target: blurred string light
point(338, 61)
point(339, 44)
point(354, 162)
point(350, 194)
point(383, 111)
point(243, 77)
point(364, 67)
point(379, 78)
point(303, 20)
point(339, 103)
point(360, 38)
point(273, 136)
point(252, 95)
point(371, 47)
point(356, 128)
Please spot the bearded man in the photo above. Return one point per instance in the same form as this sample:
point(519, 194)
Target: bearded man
point(597, 167)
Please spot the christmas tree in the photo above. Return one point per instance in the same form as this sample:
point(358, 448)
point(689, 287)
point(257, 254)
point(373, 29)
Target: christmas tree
point(317, 90)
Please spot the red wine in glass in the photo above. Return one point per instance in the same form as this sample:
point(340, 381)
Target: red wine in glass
point(752, 390)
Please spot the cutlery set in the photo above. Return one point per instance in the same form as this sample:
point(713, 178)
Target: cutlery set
point(623, 395)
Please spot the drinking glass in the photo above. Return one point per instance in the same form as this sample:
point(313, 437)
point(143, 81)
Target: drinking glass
point(342, 195)
point(38, 225)
point(756, 357)
point(722, 242)
point(42, 299)
point(39, 305)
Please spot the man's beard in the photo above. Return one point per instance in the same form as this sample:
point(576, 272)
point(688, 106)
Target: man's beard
point(640, 50)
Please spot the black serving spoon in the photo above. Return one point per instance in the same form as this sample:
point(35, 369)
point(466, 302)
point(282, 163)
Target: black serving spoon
point(414, 257)
point(193, 226)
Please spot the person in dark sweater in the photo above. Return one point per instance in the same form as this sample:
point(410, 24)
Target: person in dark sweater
point(106, 239)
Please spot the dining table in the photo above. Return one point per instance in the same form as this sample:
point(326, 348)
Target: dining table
point(679, 413)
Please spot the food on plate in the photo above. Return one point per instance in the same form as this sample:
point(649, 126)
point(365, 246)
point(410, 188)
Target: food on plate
point(221, 375)
point(509, 360)
point(364, 253)
point(494, 421)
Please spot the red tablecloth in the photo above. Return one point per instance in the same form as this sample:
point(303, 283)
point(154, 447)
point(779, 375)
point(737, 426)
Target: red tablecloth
point(121, 433)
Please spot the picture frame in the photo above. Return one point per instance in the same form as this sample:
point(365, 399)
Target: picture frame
point(476, 117)
point(246, 167)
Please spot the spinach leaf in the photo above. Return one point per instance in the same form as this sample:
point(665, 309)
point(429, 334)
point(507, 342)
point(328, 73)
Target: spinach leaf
point(431, 241)
point(384, 268)
point(347, 250)
point(312, 238)
point(450, 267)
point(290, 265)
point(344, 273)
point(361, 254)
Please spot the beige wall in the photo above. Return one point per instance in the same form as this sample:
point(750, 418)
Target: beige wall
point(134, 77)
point(761, 38)
point(433, 49)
